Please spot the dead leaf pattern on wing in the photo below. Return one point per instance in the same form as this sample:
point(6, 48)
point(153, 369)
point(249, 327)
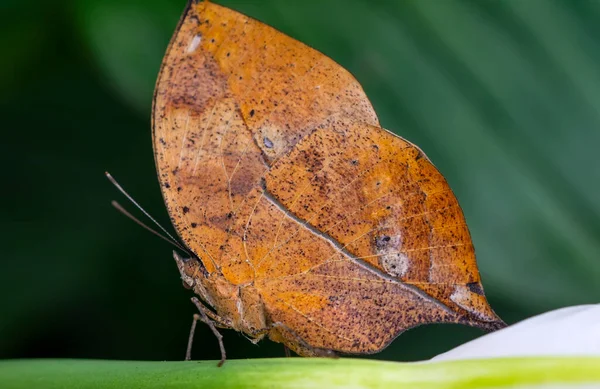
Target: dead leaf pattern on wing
point(311, 224)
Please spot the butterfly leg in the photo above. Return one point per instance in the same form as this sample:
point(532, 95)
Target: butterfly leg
point(210, 322)
point(219, 321)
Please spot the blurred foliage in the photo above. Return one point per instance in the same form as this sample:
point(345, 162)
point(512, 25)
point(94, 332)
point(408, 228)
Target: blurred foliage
point(503, 96)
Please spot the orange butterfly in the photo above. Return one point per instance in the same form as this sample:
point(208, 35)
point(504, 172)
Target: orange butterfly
point(309, 223)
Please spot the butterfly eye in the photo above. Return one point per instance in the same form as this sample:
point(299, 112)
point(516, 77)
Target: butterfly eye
point(186, 285)
point(194, 268)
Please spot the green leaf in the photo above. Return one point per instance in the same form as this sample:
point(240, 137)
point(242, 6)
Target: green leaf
point(128, 40)
point(300, 373)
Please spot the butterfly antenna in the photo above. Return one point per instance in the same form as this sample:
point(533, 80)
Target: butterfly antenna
point(171, 239)
point(141, 224)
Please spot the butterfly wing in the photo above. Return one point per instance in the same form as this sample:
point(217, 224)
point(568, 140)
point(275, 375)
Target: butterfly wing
point(394, 248)
point(232, 96)
point(276, 173)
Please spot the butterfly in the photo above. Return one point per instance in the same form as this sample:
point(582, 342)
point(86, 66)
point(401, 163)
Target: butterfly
point(307, 222)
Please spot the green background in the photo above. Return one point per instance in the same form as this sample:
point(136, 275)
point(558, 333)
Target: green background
point(503, 96)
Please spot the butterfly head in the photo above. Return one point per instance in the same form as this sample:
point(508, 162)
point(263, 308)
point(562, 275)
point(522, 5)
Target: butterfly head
point(214, 290)
point(190, 269)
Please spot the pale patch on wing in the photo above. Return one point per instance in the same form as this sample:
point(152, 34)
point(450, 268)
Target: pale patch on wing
point(464, 298)
point(393, 261)
point(194, 44)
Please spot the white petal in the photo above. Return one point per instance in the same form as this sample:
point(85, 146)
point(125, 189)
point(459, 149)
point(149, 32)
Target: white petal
point(566, 331)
